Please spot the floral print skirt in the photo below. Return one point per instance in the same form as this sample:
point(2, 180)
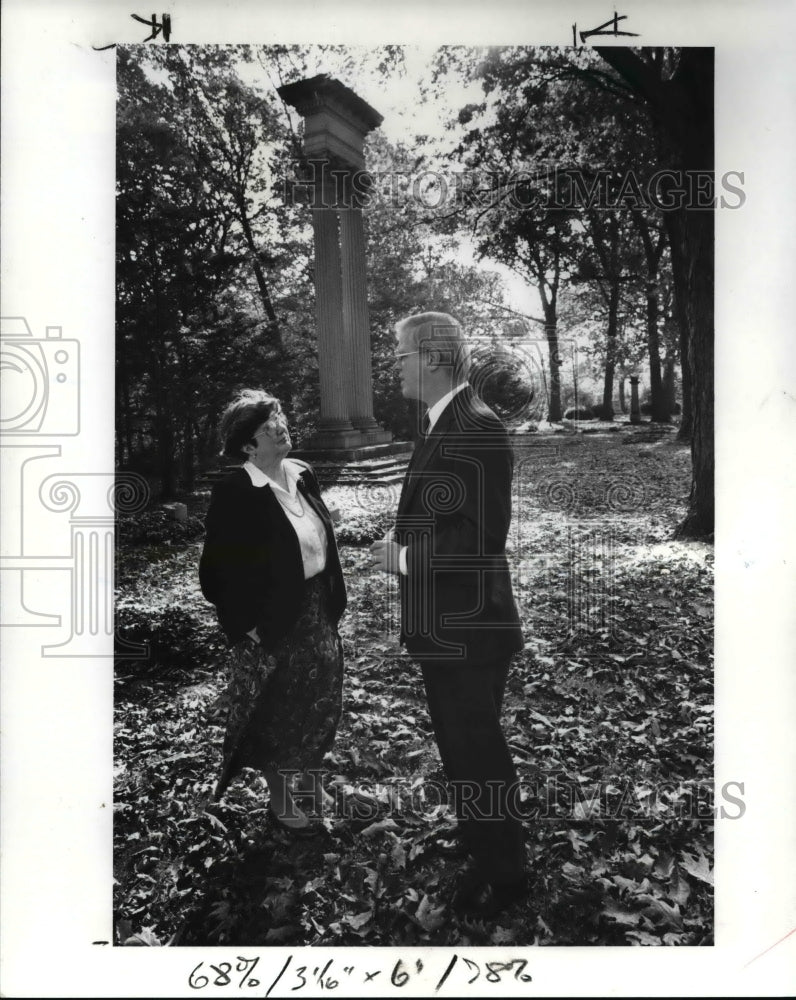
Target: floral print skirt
point(284, 703)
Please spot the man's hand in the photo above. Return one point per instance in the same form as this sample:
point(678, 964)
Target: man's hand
point(385, 554)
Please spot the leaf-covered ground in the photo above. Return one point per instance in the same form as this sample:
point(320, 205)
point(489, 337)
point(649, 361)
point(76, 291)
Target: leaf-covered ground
point(608, 714)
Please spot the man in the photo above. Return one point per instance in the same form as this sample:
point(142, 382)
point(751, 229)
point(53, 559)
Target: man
point(458, 617)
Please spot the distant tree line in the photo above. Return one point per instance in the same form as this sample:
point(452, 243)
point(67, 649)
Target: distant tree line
point(590, 172)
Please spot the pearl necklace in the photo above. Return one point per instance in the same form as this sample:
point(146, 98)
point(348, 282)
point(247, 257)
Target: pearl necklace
point(287, 506)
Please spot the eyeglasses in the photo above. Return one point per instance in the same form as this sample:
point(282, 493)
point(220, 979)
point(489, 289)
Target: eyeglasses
point(271, 425)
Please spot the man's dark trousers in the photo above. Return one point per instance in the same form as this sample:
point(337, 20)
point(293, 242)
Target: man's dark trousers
point(464, 702)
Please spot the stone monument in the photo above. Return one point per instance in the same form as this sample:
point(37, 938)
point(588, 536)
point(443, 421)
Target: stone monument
point(336, 122)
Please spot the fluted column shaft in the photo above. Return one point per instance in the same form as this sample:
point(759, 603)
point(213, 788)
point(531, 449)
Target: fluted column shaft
point(333, 362)
point(356, 321)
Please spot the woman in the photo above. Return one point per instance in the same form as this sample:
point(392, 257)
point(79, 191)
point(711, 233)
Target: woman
point(270, 565)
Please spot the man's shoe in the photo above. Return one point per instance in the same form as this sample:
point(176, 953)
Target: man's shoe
point(485, 899)
point(467, 886)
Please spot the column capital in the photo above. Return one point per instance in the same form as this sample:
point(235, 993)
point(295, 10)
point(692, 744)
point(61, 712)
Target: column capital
point(336, 120)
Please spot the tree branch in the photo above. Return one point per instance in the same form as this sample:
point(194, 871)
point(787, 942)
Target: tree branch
point(496, 305)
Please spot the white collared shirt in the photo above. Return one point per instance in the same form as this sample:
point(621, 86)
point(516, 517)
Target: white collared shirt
point(308, 526)
point(435, 412)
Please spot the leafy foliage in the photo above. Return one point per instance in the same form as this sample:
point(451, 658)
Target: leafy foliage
point(156, 526)
point(214, 258)
point(562, 164)
point(609, 720)
point(365, 514)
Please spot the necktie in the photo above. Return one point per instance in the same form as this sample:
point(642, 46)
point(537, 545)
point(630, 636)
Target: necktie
point(424, 425)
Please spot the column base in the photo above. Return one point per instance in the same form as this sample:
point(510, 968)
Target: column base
point(365, 424)
point(334, 439)
point(373, 434)
point(368, 452)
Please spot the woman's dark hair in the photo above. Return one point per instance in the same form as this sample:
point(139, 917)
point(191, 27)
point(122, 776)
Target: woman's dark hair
point(242, 417)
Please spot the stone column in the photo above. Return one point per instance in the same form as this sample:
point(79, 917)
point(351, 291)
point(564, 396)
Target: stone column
point(635, 410)
point(336, 122)
point(334, 365)
point(355, 318)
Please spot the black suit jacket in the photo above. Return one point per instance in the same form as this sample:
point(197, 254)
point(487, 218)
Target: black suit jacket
point(251, 566)
point(454, 513)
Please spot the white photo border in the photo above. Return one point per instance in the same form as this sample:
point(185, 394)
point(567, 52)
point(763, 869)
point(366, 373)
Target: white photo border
point(58, 113)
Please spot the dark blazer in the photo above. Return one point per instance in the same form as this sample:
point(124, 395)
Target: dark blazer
point(251, 566)
point(454, 513)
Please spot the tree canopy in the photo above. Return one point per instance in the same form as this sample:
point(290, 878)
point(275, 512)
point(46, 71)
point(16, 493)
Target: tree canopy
point(559, 175)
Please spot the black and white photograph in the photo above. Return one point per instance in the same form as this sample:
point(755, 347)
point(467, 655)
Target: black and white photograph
point(404, 482)
point(454, 685)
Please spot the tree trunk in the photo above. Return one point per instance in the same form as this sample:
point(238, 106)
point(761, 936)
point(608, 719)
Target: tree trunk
point(575, 382)
point(697, 247)
point(668, 383)
point(660, 411)
point(683, 109)
point(128, 420)
point(653, 248)
point(622, 398)
point(680, 282)
point(122, 415)
point(124, 427)
point(188, 455)
point(686, 422)
point(168, 471)
point(164, 424)
point(187, 409)
point(691, 233)
point(610, 353)
point(206, 440)
point(165, 432)
point(554, 414)
point(265, 297)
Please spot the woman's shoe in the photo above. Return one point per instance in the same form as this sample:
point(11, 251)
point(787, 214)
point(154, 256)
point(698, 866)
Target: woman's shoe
point(312, 804)
point(358, 807)
point(294, 829)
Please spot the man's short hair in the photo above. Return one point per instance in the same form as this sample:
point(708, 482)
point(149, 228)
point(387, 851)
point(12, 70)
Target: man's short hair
point(441, 332)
